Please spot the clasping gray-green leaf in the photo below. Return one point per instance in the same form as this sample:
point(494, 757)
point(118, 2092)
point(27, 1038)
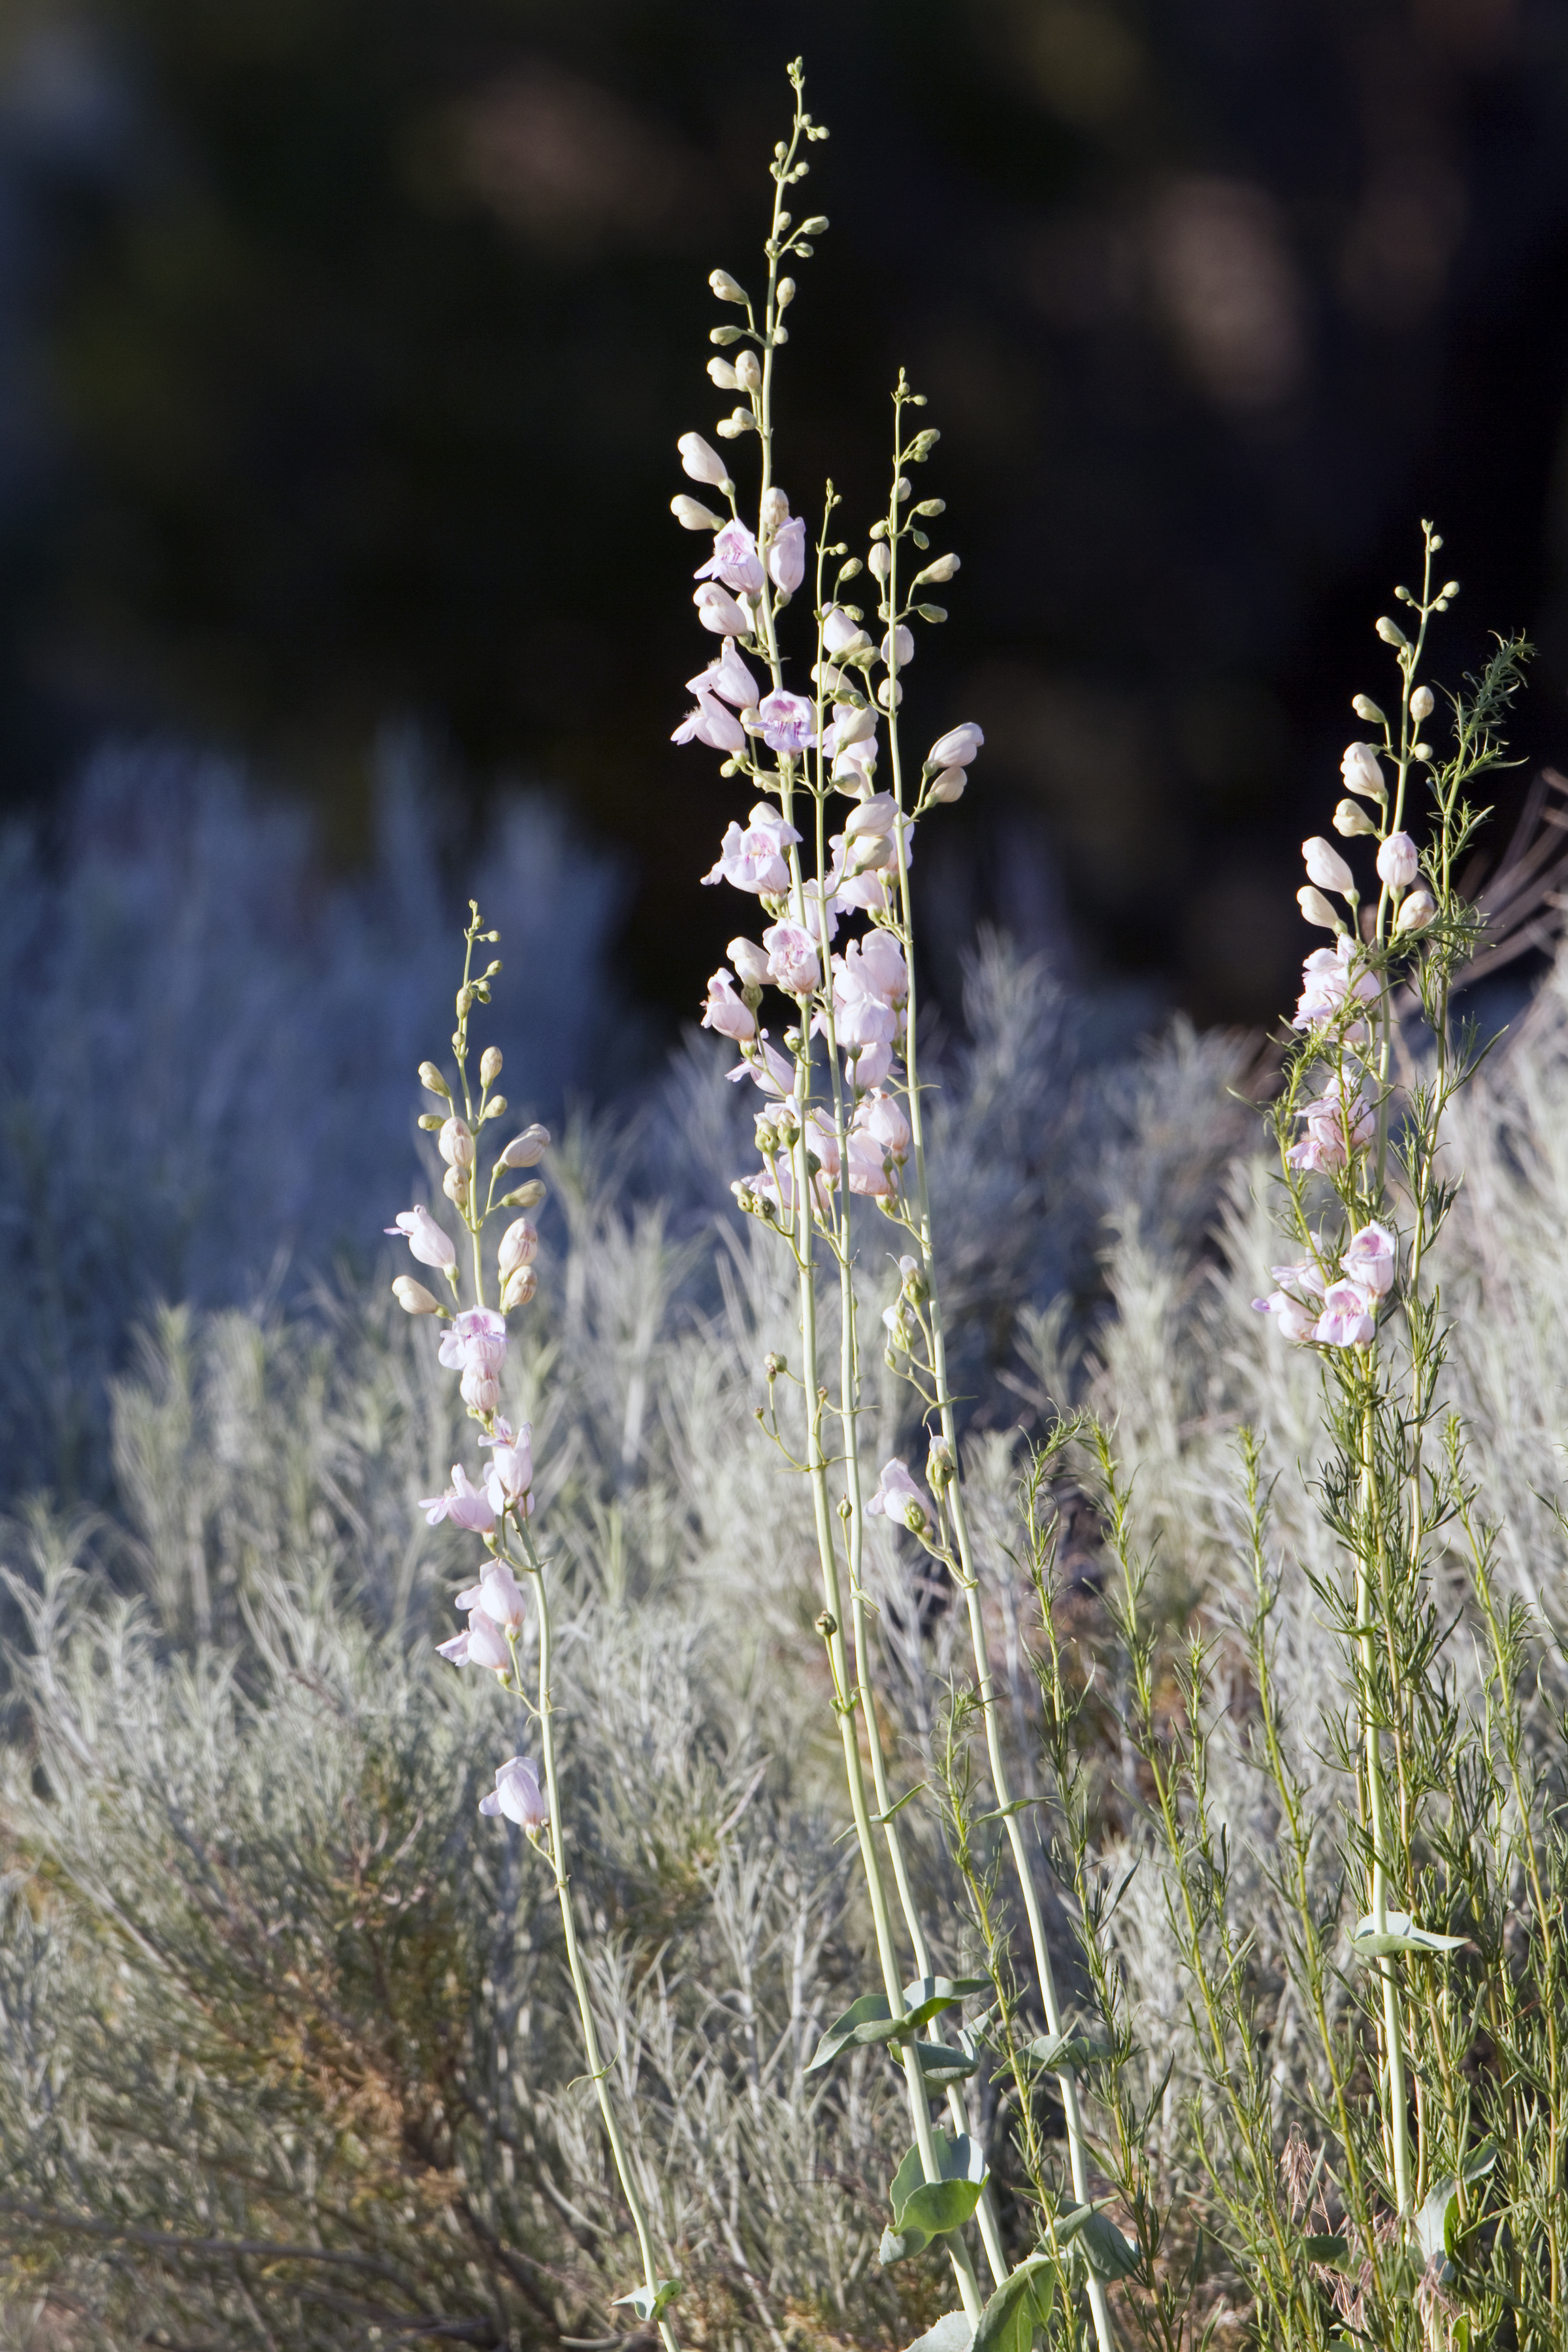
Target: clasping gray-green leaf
point(924, 2210)
point(1020, 2304)
point(1400, 1933)
point(871, 2020)
point(650, 2302)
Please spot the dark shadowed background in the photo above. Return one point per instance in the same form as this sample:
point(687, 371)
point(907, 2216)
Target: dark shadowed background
point(345, 345)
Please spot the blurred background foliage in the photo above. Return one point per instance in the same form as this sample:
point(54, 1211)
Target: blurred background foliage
point(343, 347)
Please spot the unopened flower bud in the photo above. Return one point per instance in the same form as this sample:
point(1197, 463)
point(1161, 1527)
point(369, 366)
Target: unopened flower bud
point(774, 1365)
point(749, 372)
point(916, 1287)
point(480, 1389)
point(454, 1184)
point(429, 1120)
point(519, 1246)
point(700, 462)
point(521, 1286)
point(455, 1143)
point(692, 515)
point(1390, 632)
point(785, 293)
point(1362, 772)
point(489, 1066)
point(723, 375)
point(948, 786)
point(1317, 909)
point(739, 421)
point(956, 748)
point(1398, 862)
point(750, 961)
point(943, 569)
point(1421, 750)
point(774, 510)
point(881, 561)
point(939, 1467)
point(1417, 912)
point(527, 1149)
point(432, 1081)
point(495, 1108)
point(725, 287)
point(1422, 704)
point(1351, 818)
point(890, 693)
point(527, 1196)
point(1366, 707)
point(1326, 867)
point(413, 1296)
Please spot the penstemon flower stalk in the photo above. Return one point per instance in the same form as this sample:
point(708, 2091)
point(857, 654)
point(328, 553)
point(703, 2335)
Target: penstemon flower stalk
point(827, 1143)
point(500, 1511)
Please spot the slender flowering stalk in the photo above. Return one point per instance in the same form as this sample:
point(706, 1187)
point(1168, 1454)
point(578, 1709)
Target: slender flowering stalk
point(499, 1510)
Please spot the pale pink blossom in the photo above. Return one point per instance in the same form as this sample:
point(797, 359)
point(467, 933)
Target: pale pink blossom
point(1398, 861)
point(792, 958)
point(1329, 982)
point(724, 1013)
point(1335, 1128)
point(734, 562)
point(425, 1237)
point(518, 1795)
point(1417, 912)
point(475, 1339)
point(481, 1643)
point(848, 728)
point(462, 1504)
point(789, 721)
point(822, 1142)
point(499, 1595)
point(750, 961)
point(717, 610)
point(700, 462)
point(869, 1064)
point(860, 1015)
point(898, 647)
point(1362, 773)
point(841, 634)
point(868, 1173)
point(1348, 1317)
point(755, 857)
point(519, 1246)
point(948, 787)
point(1306, 1275)
point(956, 748)
point(787, 556)
point(708, 722)
point(898, 1497)
point(1297, 1322)
point(767, 1068)
point(880, 1117)
point(1326, 867)
point(1371, 1257)
point(874, 816)
point(728, 677)
point(881, 967)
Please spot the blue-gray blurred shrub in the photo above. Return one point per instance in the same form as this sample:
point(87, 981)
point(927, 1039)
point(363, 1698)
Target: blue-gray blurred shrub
point(208, 1047)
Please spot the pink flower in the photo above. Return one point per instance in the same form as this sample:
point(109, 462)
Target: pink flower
point(462, 1504)
point(869, 1167)
point(1327, 984)
point(1346, 1320)
point(725, 1011)
point(1295, 1321)
point(822, 1142)
point(711, 724)
point(474, 1340)
point(734, 560)
point(868, 1065)
point(787, 556)
point(425, 1237)
point(898, 1498)
point(767, 1067)
point(517, 1794)
point(956, 748)
point(511, 1470)
point(861, 1016)
point(499, 1595)
point(791, 959)
point(1326, 867)
point(1305, 1276)
point(717, 610)
point(1335, 1128)
point(840, 634)
point(880, 1117)
point(755, 859)
point(881, 968)
point(482, 1644)
point(789, 723)
point(1398, 861)
point(728, 677)
point(1371, 1258)
point(700, 462)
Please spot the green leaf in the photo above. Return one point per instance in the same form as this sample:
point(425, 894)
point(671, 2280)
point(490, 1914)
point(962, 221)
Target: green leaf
point(650, 2302)
point(1096, 2242)
point(870, 2021)
point(1020, 2304)
point(951, 2333)
point(924, 2210)
point(1403, 1935)
point(1333, 2252)
point(1064, 2053)
point(1438, 2223)
point(940, 2063)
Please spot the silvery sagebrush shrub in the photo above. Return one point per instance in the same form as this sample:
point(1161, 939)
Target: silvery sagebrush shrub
point(1203, 1762)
